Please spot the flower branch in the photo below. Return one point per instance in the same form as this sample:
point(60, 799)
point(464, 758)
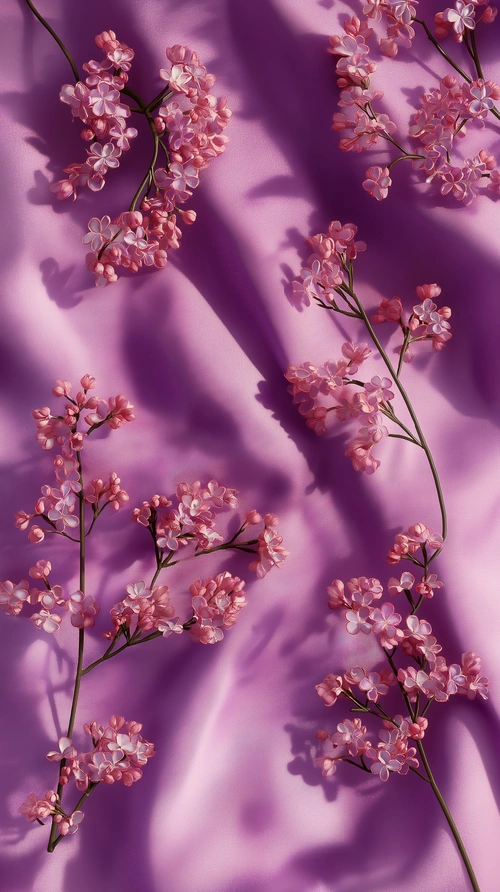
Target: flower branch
point(188, 116)
point(118, 751)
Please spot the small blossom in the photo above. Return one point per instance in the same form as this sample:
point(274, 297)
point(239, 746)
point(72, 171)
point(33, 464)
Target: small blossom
point(46, 620)
point(66, 751)
point(69, 824)
point(461, 17)
point(336, 595)
point(330, 689)
point(83, 609)
point(39, 809)
point(358, 621)
point(41, 570)
point(396, 586)
point(377, 182)
point(270, 548)
point(388, 310)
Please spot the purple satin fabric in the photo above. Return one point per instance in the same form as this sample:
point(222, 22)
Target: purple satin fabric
point(232, 801)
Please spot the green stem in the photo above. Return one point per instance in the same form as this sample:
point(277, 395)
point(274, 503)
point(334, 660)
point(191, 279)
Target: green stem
point(81, 644)
point(390, 414)
point(147, 178)
point(109, 655)
point(57, 39)
point(402, 437)
point(149, 173)
point(405, 157)
point(411, 411)
point(82, 799)
point(475, 54)
point(401, 687)
point(449, 818)
point(403, 351)
point(442, 51)
point(166, 93)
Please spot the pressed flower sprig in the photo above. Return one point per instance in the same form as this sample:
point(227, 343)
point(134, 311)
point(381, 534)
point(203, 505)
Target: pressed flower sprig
point(71, 510)
point(333, 390)
point(445, 113)
point(186, 121)
point(427, 680)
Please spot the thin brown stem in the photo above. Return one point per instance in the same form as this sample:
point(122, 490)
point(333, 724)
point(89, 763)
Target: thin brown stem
point(409, 406)
point(81, 644)
point(57, 39)
point(443, 53)
point(447, 814)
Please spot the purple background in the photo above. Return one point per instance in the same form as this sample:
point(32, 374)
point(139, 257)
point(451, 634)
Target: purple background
point(232, 802)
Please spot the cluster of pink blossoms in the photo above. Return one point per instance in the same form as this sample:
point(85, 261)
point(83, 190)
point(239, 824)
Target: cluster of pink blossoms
point(56, 507)
point(459, 19)
point(326, 266)
point(215, 606)
point(418, 536)
point(313, 388)
point(430, 679)
point(190, 131)
point(425, 323)
point(118, 753)
point(97, 103)
point(192, 520)
point(216, 602)
point(327, 279)
point(443, 117)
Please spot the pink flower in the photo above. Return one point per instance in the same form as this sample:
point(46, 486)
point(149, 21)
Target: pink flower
point(47, 621)
point(474, 682)
point(386, 622)
point(36, 535)
point(100, 158)
point(330, 689)
point(216, 604)
point(120, 410)
point(356, 354)
point(358, 621)
point(335, 593)
point(83, 609)
point(428, 584)
point(122, 137)
point(385, 764)
point(183, 177)
point(39, 809)
point(22, 520)
point(253, 517)
point(12, 597)
point(270, 548)
point(377, 182)
point(136, 590)
point(66, 751)
point(167, 627)
point(419, 681)
point(396, 586)
point(363, 591)
point(388, 310)
point(482, 101)
point(104, 99)
point(69, 824)
point(100, 232)
point(373, 686)
point(378, 388)
point(352, 734)
point(461, 17)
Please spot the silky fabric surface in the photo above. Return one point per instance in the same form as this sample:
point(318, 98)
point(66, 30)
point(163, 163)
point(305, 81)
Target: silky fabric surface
point(232, 801)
